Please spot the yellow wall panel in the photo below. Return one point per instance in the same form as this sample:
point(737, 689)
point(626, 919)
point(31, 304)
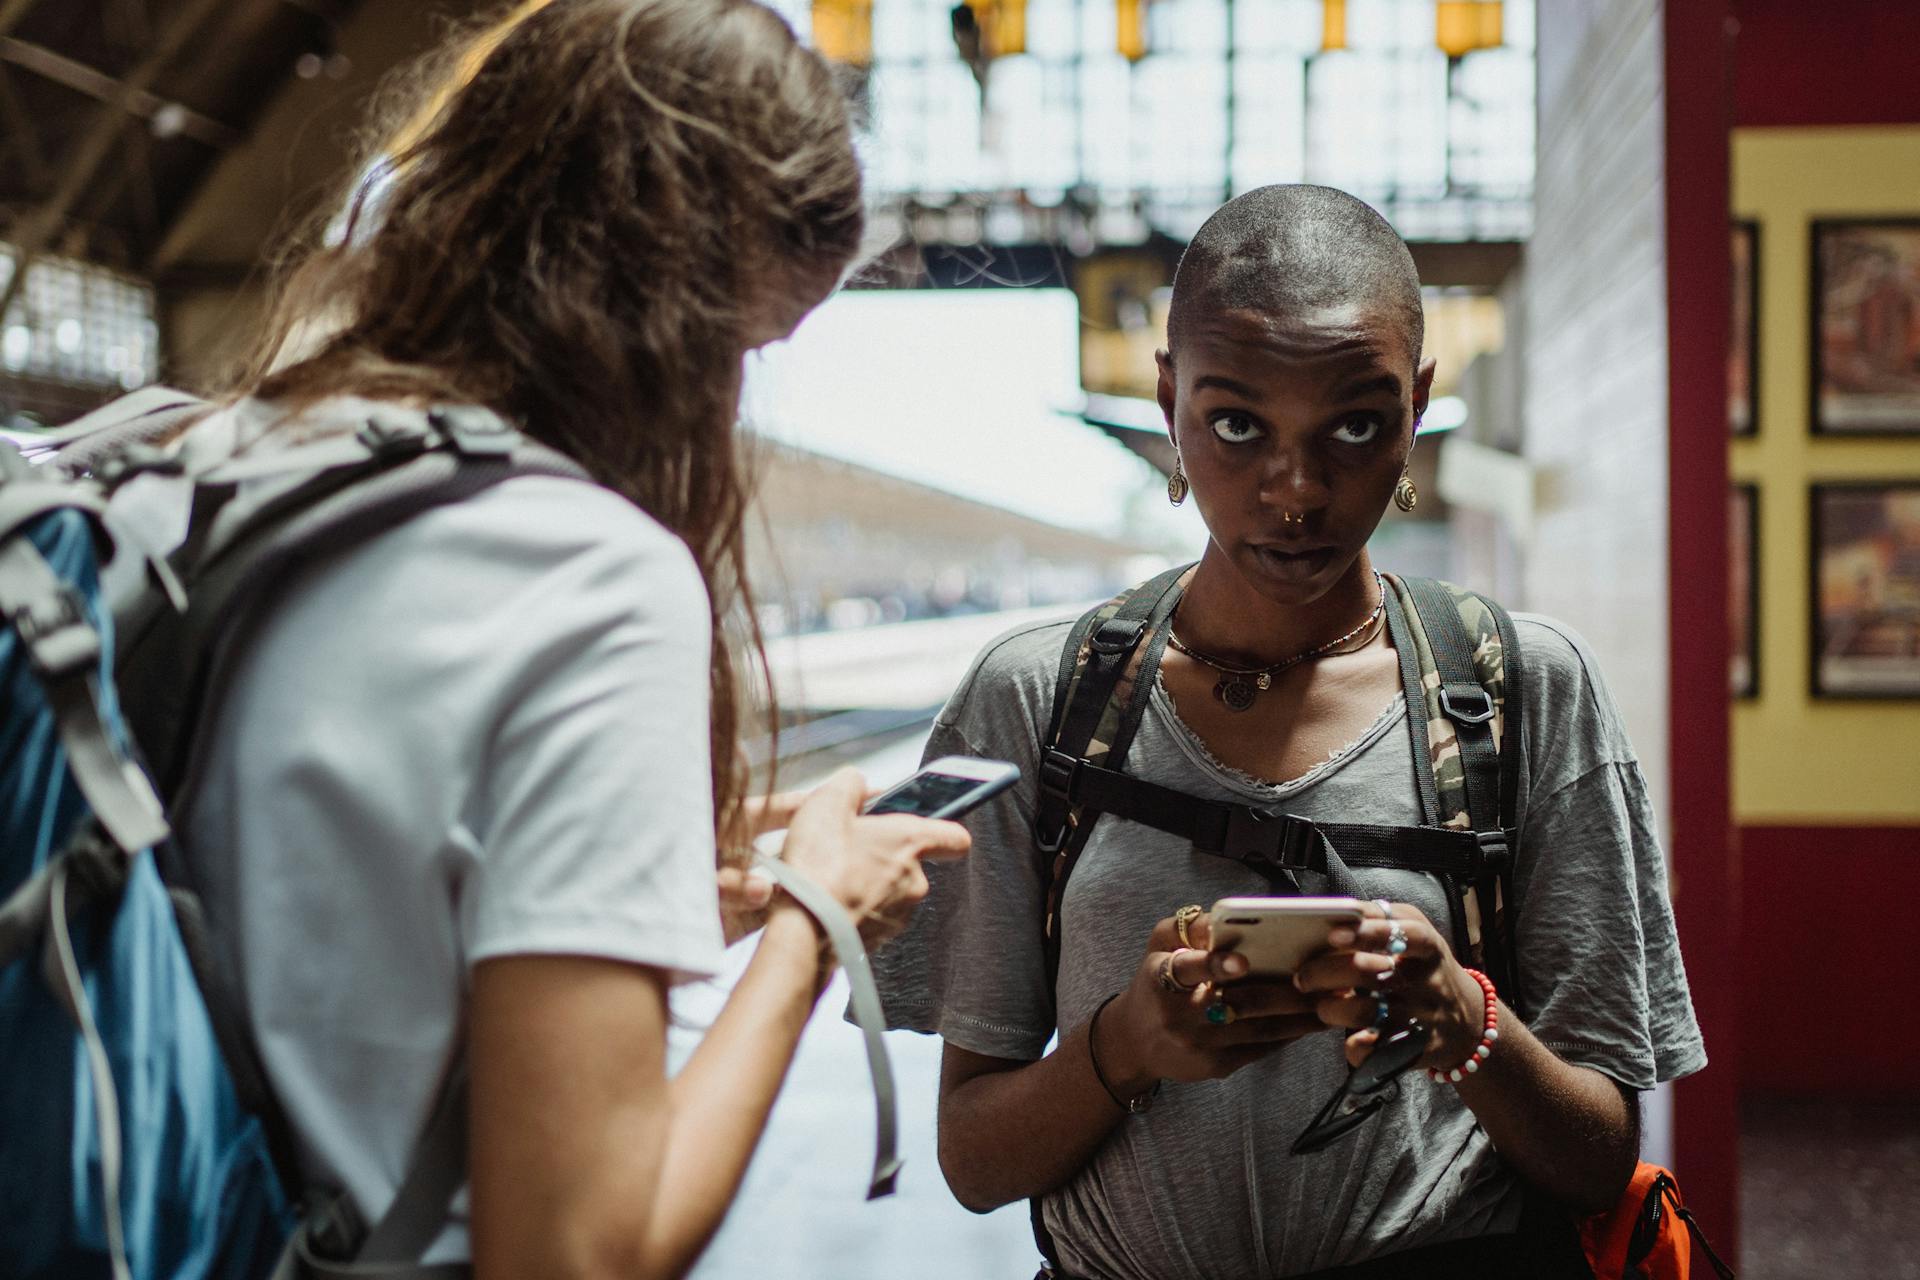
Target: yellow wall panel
point(1798, 759)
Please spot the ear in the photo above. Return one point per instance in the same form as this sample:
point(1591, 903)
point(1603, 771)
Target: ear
point(1163, 392)
point(1422, 390)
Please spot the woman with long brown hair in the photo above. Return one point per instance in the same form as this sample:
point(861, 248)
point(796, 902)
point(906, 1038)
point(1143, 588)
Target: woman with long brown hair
point(465, 788)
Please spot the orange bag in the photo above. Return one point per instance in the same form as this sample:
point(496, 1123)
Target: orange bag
point(1649, 1235)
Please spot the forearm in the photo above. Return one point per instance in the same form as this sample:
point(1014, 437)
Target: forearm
point(1568, 1130)
point(1056, 1106)
point(721, 1099)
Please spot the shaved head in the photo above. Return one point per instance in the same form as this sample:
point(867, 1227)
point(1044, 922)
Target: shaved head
point(1292, 249)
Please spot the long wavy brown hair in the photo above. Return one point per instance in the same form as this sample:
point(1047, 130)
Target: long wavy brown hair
point(586, 211)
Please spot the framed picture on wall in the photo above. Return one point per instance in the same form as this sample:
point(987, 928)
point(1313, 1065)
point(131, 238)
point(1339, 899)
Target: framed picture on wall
point(1866, 589)
point(1866, 326)
point(1743, 596)
point(1743, 348)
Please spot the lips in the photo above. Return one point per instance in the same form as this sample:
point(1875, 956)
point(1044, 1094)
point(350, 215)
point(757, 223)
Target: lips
point(1293, 563)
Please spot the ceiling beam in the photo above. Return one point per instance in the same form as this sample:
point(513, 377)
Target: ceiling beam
point(38, 229)
point(101, 87)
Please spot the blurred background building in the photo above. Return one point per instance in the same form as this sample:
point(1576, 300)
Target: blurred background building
point(1672, 258)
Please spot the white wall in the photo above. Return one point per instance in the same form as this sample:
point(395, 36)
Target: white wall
point(1596, 352)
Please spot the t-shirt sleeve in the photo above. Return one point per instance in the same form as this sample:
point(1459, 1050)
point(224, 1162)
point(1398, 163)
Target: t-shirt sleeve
point(595, 798)
point(972, 966)
point(1600, 968)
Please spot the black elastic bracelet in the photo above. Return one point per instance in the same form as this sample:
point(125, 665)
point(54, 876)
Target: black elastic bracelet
point(1137, 1105)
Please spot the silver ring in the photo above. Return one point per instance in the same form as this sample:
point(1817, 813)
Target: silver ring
point(1168, 982)
point(1396, 939)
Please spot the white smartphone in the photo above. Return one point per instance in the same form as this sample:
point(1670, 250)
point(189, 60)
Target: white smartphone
point(1276, 934)
point(947, 787)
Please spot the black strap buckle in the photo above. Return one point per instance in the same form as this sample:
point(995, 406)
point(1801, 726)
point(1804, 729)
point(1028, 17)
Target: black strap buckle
point(387, 435)
point(1495, 854)
point(1466, 703)
point(60, 640)
point(1117, 635)
point(1053, 818)
point(1268, 836)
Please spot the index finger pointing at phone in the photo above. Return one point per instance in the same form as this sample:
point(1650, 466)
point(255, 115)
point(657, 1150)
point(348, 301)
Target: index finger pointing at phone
point(937, 838)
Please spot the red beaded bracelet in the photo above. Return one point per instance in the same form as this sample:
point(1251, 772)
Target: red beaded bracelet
point(1488, 1034)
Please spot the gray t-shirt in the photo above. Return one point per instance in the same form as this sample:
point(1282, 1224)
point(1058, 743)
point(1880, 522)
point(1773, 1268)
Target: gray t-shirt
point(1202, 1185)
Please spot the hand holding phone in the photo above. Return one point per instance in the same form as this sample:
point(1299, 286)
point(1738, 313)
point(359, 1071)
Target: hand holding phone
point(1277, 934)
point(947, 787)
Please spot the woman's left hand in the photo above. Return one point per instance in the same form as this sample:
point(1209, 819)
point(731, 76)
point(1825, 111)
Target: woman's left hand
point(1424, 982)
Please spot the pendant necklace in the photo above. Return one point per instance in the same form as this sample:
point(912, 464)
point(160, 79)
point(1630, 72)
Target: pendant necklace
point(1239, 686)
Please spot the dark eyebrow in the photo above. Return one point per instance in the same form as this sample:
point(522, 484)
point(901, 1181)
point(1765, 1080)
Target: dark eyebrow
point(1226, 384)
point(1381, 383)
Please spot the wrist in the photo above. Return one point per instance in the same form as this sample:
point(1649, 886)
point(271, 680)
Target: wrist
point(1117, 1049)
point(1130, 1096)
point(791, 930)
point(1475, 1031)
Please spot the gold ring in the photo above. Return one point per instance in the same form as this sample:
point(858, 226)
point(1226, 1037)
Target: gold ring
point(1184, 917)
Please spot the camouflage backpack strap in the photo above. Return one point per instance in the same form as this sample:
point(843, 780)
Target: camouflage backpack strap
point(1461, 667)
point(1099, 695)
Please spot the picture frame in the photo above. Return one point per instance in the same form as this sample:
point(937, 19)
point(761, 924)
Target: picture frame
point(1864, 601)
point(1743, 346)
point(1743, 595)
point(1865, 347)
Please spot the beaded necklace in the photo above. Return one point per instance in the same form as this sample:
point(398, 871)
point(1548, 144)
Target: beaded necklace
point(1239, 686)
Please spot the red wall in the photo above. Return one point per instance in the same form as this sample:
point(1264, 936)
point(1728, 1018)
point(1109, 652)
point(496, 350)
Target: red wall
point(1825, 62)
point(1706, 1122)
point(1826, 1000)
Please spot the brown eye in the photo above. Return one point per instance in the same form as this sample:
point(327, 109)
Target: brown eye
point(1234, 428)
point(1362, 428)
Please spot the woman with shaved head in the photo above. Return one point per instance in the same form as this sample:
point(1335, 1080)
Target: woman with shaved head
point(1162, 1105)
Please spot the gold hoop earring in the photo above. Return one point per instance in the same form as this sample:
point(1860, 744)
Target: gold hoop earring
point(1405, 496)
point(1177, 486)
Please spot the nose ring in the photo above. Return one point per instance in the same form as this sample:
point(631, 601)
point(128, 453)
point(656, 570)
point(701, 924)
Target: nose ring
point(1288, 517)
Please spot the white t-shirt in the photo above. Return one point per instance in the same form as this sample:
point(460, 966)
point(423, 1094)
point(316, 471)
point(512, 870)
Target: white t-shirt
point(483, 733)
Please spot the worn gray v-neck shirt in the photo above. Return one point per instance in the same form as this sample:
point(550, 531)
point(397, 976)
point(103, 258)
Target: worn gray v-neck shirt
point(1202, 1185)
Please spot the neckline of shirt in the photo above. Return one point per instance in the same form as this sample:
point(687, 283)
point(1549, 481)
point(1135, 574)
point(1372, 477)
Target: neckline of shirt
point(1197, 751)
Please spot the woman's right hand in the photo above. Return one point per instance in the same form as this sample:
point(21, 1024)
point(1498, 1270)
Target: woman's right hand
point(1157, 1031)
point(871, 865)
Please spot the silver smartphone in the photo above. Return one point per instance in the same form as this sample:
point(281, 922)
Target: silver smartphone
point(947, 787)
point(1277, 934)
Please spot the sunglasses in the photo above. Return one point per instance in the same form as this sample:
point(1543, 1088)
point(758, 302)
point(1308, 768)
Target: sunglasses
point(1367, 1088)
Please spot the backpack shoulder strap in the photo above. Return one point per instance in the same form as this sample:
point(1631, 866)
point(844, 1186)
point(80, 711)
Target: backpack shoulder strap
point(1098, 699)
point(1460, 664)
point(1106, 669)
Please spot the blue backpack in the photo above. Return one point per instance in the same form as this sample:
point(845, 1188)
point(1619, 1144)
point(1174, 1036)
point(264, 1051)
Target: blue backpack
point(139, 1138)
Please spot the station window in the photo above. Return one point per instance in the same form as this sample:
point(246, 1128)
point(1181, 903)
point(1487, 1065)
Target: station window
point(1226, 95)
point(78, 323)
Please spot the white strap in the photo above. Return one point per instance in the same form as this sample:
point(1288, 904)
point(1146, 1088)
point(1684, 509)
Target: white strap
point(867, 1011)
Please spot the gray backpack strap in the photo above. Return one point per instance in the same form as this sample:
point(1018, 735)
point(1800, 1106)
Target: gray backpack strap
point(140, 418)
point(64, 650)
point(250, 536)
point(412, 1222)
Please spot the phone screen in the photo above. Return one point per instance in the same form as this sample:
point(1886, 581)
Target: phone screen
point(925, 793)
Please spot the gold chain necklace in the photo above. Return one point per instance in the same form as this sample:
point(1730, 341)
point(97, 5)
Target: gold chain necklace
point(1239, 686)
